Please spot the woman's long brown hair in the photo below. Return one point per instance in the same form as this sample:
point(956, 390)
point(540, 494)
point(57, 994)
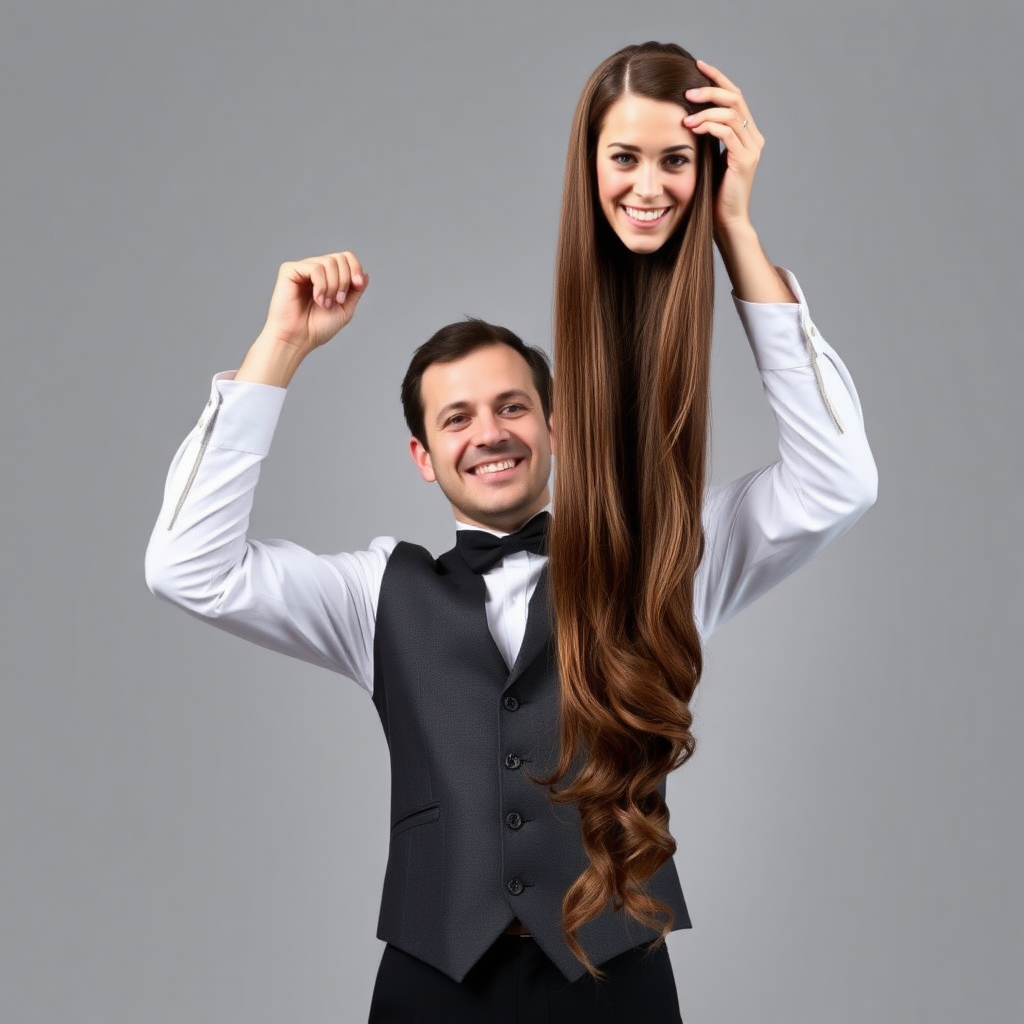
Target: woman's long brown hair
point(632, 361)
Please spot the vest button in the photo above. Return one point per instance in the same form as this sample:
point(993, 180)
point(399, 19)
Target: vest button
point(514, 820)
point(512, 761)
point(515, 886)
point(511, 703)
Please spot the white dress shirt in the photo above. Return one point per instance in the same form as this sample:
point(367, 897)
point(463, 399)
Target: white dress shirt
point(510, 585)
point(322, 608)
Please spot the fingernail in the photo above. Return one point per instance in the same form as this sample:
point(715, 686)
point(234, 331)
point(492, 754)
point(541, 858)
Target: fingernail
point(692, 93)
point(341, 297)
point(357, 279)
point(327, 302)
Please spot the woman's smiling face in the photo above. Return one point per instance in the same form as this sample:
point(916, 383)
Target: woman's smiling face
point(646, 170)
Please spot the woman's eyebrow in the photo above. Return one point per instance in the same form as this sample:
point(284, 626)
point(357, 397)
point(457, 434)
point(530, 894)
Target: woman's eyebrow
point(636, 149)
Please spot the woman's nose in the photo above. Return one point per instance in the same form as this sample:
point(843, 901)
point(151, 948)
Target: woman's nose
point(647, 184)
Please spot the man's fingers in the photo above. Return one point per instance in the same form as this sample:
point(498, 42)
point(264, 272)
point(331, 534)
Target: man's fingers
point(356, 276)
point(744, 128)
point(344, 274)
point(332, 283)
point(717, 97)
point(716, 76)
point(303, 274)
point(329, 277)
point(356, 291)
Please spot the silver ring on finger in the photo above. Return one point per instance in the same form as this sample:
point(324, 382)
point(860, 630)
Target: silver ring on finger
point(745, 123)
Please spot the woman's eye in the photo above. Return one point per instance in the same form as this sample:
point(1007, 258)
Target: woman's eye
point(623, 159)
point(677, 161)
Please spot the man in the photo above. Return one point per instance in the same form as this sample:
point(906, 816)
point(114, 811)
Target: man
point(457, 650)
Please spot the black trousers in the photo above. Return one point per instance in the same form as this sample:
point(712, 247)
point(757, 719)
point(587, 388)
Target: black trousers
point(515, 983)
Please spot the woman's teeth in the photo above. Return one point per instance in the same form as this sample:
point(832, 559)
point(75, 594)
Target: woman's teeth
point(647, 215)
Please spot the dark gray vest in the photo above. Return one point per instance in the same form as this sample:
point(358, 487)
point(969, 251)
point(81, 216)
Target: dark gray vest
point(475, 842)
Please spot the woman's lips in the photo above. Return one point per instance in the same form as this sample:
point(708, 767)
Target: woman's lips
point(645, 217)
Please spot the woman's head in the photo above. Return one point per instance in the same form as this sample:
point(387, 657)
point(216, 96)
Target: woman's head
point(634, 300)
point(632, 164)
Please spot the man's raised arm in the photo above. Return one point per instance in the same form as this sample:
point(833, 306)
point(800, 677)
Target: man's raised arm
point(277, 594)
point(313, 299)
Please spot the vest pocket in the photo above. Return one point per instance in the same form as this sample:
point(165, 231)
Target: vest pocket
point(419, 817)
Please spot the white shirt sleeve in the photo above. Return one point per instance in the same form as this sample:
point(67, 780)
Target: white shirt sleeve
point(764, 526)
point(320, 608)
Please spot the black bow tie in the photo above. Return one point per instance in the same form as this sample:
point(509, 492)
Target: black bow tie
point(483, 551)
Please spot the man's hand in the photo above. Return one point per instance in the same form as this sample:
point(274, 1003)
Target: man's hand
point(729, 120)
point(313, 299)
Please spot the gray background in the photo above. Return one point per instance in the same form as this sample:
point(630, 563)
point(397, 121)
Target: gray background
point(193, 830)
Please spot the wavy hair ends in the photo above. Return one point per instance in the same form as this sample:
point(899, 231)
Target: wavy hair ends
point(631, 398)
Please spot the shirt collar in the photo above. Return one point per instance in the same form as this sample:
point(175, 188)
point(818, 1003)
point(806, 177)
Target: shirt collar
point(459, 525)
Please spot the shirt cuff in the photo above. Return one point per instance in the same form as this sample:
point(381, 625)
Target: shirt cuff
point(240, 415)
point(781, 335)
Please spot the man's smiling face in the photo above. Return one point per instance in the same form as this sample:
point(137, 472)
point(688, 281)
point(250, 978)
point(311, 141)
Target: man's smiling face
point(488, 445)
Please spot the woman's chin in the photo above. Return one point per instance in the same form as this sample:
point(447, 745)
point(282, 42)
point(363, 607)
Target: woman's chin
point(641, 245)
